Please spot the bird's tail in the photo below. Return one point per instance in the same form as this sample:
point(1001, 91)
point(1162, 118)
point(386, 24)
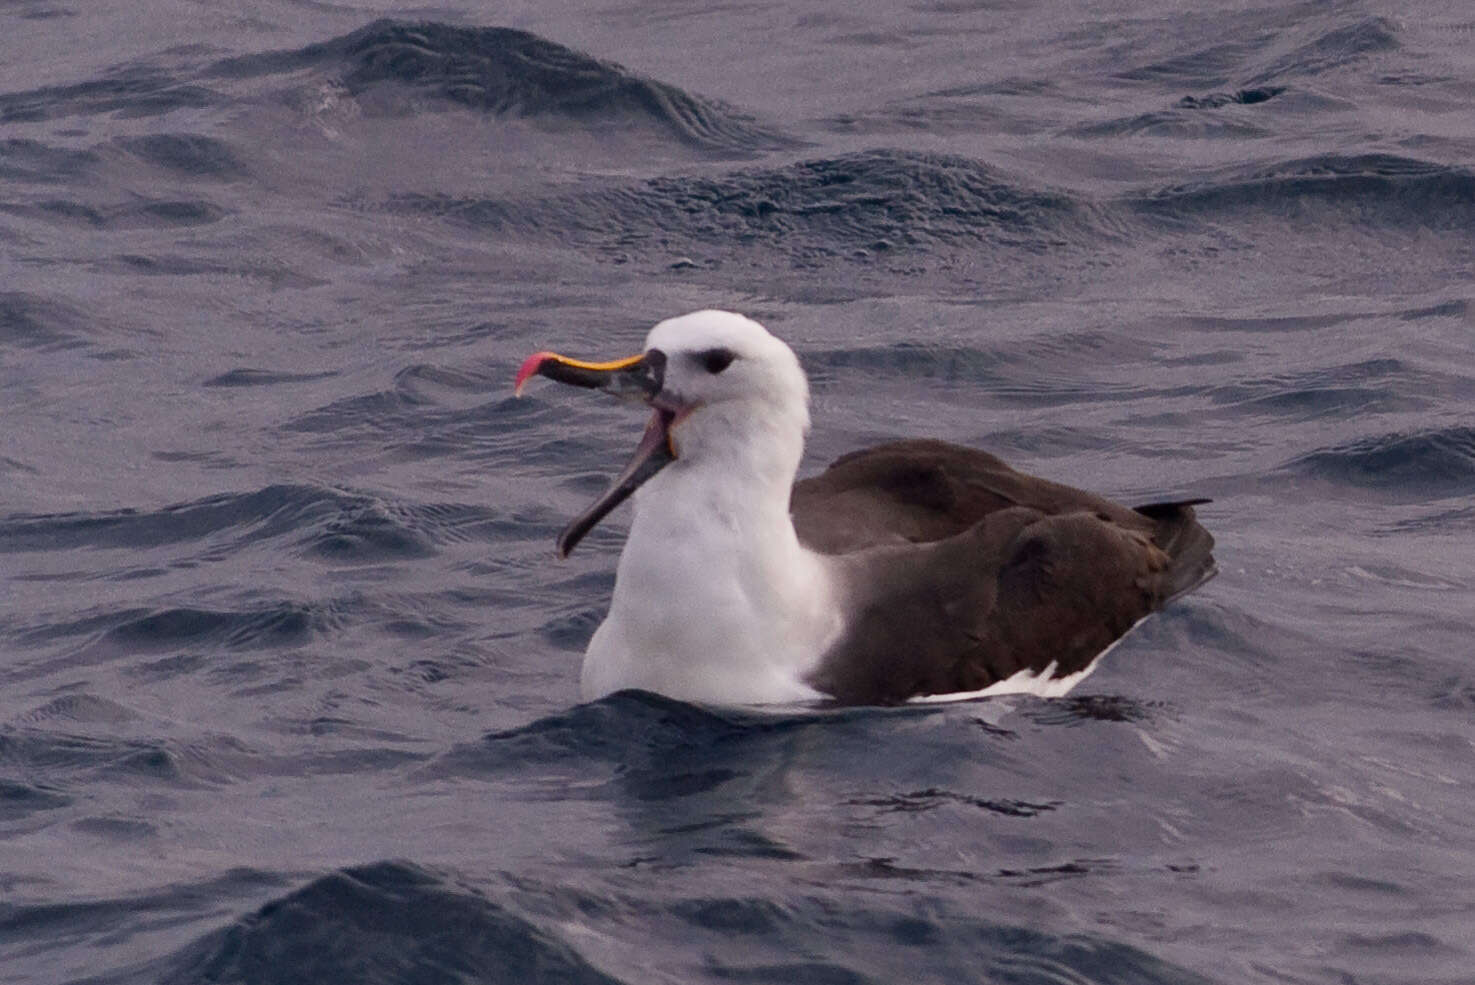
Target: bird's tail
point(1188, 545)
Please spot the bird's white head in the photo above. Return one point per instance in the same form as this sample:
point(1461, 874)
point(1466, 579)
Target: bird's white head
point(726, 378)
point(728, 398)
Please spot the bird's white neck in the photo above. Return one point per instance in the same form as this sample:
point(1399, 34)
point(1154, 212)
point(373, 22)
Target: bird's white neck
point(715, 599)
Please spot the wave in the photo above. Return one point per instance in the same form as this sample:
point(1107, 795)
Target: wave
point(189, 155)
point(1375, 190)
point(926, 801)
point(382, 922)
point(408, 66)
point(399, 921)
point(1436, 463)
point(267, 512)
point(409, 424)
point(507, 72)
point(328, 523)
point(887, 206)
point(144, 214)
point(1041, 367)
point(272, 625)
point(73, 742)
point(20, 799)
point(43, 925)
point(1262, 52)
point(134, 90)
point(38, 163)
point(60, 755)
point(622, 728)
point(1343, 389)
point(177, 634)
point(1208, 65)
point(1329, 49)
point(873, 201)
point(643, 749)
point(1190, 117)
point(155, 634)
point(35, 322)
point(1244, 97)
point(248, 376)
point(177, 155)
point(1182, 122)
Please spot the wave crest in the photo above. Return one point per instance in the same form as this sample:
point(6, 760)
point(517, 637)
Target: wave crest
point(507, 72)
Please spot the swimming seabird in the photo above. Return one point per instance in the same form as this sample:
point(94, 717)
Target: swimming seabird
point(913, 570)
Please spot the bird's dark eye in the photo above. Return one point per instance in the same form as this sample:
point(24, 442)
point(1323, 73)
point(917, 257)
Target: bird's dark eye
point(715, 361)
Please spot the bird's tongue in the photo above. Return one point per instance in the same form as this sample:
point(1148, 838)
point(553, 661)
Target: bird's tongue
point(652, 454)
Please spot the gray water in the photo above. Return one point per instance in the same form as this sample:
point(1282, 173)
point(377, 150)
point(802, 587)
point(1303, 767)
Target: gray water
point(288, 672)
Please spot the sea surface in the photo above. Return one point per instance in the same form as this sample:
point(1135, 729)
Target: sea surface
point(288, 668)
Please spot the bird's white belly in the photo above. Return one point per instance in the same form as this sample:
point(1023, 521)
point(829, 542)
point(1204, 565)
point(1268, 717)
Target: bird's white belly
point(693, 656)
point(687, 625)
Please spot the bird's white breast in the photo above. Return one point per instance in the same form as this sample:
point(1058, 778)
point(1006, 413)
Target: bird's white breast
point(715, 600)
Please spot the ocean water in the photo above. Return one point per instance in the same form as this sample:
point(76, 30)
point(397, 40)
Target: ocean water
point(288, 670)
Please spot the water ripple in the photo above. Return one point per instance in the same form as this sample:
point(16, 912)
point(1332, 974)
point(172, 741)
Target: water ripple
point(1434, 463)
point(508, 72)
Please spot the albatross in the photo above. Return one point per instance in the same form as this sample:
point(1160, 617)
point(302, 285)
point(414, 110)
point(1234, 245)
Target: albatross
point(914, 570)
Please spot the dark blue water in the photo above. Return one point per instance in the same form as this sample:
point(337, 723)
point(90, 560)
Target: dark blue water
point(288, 673)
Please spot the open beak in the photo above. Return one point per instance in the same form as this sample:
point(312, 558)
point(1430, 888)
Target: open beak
point(638, 377)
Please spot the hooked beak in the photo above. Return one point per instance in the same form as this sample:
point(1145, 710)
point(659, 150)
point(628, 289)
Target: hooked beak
point(638, 377)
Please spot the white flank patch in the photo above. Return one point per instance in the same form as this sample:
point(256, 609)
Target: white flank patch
point(1042, 684)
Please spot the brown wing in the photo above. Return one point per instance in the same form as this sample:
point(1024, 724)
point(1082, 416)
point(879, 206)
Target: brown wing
point(921, 491)
point(960, 571)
